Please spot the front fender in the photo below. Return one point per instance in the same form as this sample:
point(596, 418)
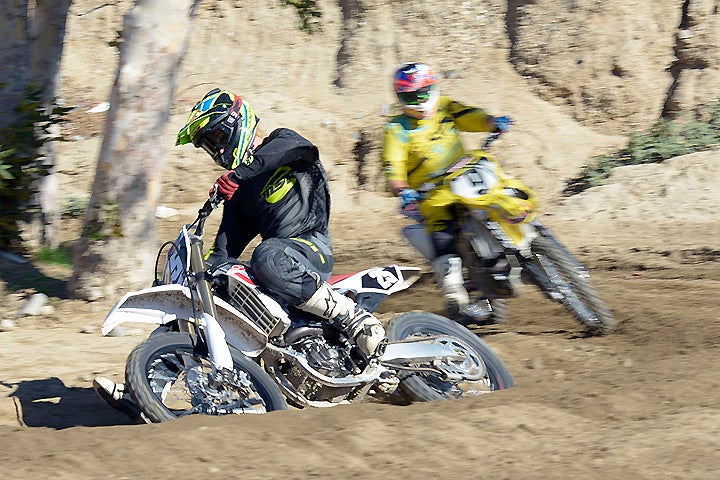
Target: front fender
point(165, 303)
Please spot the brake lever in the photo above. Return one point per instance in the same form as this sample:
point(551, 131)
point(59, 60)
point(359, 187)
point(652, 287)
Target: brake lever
point(490, 139)
point(215, 197)
point(211, 203)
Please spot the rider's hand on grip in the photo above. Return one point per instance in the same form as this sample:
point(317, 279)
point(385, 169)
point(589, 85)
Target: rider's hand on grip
point(501, 124)
point(409, 199)
point(227, 184)
point(211, 203)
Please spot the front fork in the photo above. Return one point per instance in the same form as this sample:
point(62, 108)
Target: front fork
point(218, 349)
point(543, 272)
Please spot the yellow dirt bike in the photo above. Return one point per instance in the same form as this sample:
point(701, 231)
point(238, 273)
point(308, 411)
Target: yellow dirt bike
point(502, 244)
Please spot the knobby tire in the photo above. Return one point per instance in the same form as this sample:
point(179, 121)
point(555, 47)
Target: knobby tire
point(575, 275)
point(419, 387)
point(180, 344)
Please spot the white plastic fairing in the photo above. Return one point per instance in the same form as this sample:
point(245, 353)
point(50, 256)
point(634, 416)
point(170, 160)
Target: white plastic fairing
point(475, 181)
point(165, 303)
point(178, 257)
point(219, 352)
point(385, 280)
point(240, 332)
point(155, 305)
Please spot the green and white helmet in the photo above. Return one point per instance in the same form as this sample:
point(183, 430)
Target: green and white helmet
point(223, 125)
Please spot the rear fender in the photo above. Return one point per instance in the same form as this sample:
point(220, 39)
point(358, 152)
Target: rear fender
point(163, 304)
point(374, 285)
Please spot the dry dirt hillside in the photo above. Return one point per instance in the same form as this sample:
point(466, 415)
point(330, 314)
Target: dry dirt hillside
point(577, 77)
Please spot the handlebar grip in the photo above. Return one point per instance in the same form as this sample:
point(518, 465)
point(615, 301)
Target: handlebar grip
point(211, 203)
point(215, 197)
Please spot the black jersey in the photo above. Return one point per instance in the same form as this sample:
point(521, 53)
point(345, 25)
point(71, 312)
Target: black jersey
point(283, 193)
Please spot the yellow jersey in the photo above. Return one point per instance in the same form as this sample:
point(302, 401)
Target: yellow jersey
point(415, 150)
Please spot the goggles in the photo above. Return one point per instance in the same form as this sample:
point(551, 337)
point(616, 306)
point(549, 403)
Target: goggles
point(416, 97)
point(214, 140)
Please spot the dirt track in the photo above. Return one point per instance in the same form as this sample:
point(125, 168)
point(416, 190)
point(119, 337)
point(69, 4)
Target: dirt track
point(641, 403)
point(638, 403)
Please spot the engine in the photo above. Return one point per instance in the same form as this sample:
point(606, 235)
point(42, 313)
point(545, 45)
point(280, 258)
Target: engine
point(327, 359)
point(317, 356)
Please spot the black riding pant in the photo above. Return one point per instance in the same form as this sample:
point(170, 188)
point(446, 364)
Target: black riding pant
point(289, 268)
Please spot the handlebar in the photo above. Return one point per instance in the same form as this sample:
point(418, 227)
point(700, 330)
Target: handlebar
point(210, 204)
point(430, 184)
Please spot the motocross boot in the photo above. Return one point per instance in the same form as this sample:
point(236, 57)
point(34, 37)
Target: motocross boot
point(114, 395)
point(448, 274)
point(362, 327)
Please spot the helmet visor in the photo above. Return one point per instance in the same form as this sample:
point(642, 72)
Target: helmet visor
point(416, 97)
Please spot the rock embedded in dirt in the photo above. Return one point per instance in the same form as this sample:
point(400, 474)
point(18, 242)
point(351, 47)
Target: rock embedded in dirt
point(33, 306)
point(6, 325)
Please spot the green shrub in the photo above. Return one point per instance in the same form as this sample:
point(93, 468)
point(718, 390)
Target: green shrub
point(20, 164)
point(74, 207)
point(55, 256)
point(666, 139)
point(5, 172)
point(309, 14)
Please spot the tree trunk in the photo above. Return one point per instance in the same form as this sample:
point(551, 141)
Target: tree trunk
point(31, 55)
point(14, 57)
point(47, 40)
point(116, 249)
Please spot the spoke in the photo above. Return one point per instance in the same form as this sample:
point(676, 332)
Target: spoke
point(183, 384)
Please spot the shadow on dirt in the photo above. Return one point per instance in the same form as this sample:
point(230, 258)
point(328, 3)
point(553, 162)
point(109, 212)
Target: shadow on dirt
point(49, 403)
point(21, 276)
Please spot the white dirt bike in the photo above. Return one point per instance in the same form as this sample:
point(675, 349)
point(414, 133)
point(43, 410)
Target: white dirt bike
point(496, 219)
point(224, 347)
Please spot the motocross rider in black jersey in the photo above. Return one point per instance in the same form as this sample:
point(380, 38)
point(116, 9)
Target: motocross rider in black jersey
point(277, 188)
point(283, 197)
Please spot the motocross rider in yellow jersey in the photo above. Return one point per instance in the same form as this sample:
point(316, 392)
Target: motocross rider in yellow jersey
point(418, 145)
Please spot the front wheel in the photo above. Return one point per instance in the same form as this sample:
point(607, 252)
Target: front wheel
point(169, 375)
point(573, 282)
point(486, 372)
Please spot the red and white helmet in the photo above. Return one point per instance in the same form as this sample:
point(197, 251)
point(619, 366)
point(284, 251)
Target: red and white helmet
point(415, 85)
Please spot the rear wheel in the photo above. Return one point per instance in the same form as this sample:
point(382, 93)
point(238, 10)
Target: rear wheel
point(573, 282)
point(169, 375)
point(481, 369)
